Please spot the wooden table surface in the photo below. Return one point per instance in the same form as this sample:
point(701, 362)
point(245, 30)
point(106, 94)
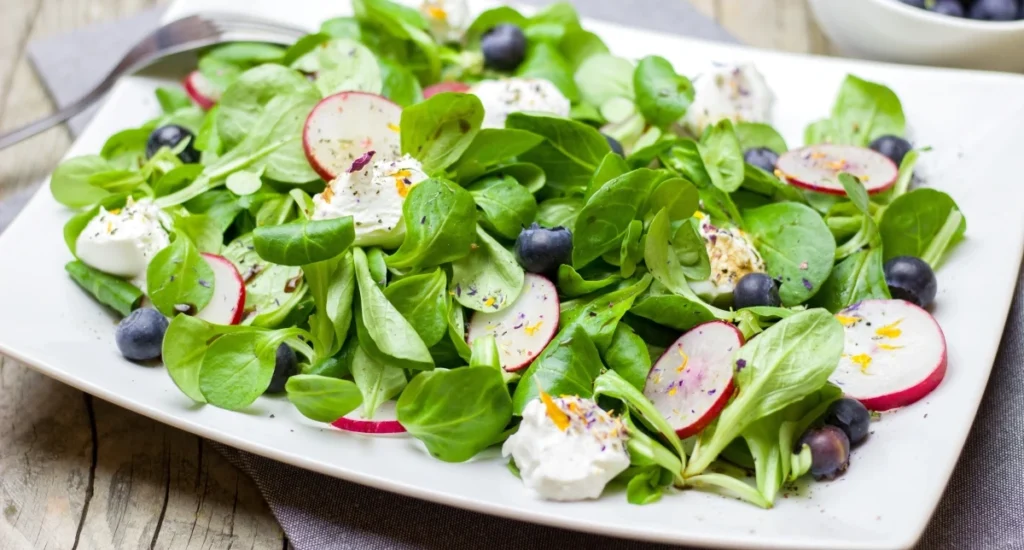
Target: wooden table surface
point(77, 472)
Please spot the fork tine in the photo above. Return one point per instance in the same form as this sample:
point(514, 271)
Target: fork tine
point(232, 22)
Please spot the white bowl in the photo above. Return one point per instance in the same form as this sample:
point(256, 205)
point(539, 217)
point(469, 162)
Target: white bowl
point(888, 30)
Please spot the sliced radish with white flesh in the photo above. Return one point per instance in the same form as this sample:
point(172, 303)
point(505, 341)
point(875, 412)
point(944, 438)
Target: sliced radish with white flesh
point(817, 167)
point(523, 329)
point(201, 90)
point(384, 421)
point(346, 126)
point(442, 87)
point(692, 381)
point(895, 354)
point(228, 303)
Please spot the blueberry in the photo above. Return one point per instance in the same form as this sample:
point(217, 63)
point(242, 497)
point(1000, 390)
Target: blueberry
point(949, 7)
point(893, 147)
point(830, 451)
point(762, 157)
point(911, 279)
point(504, 47)
point(914, 3)
point(850, 416)
point(542, 250)
point(140, 336)
point(615, 145)
point(286, 365)
point(170, 136)
point(995, 10)
point(756, 289)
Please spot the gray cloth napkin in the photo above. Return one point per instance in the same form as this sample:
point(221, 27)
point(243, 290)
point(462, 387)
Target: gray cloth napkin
point(983, 507)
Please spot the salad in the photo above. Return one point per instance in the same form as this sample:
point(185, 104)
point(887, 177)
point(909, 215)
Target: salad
point(491, 231)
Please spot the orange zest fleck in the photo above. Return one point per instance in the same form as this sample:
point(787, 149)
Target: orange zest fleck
point(531, 330)
point(846, 320)
point(555, 413)
point(672, 390)
point(863, 360)
point(110, 226)
point(889, 347)
point(818, 155)
point(327, 194)
point(890, 330)
point(394, 127)
point(401, 177)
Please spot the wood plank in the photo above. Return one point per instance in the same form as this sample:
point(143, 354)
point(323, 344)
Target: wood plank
point(141, 484)
point(774, 24)
point(45, 459)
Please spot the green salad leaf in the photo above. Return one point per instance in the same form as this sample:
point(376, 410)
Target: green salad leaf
point(603, 221)
point(923, 222)
point(506, 206)
point(489, 278)
point(456, 413)
point(784, 364)
point(662, 95)
point(322, 398)
point(421, 300)
point(118, 294)
point(439, 130)
point(570, 155)
point(178, 277)
point(439, 219)
point(304, 241)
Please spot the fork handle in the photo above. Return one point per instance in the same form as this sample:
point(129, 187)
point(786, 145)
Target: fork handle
point(20, 134)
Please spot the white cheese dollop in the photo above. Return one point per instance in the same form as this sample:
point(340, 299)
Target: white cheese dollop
point(448, 19)
point(514, 95)
point(732, 256)
point(568, 448)
point(373, 196)
point(122, 242)
point(735, 92)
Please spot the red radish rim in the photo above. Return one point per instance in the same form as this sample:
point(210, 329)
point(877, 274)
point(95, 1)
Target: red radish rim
point(204, 101)
point(792, 180)
point(240, 305)
point(712, 412)
point(353, 424)
point(552, 329)
point(919, 390)
point(442, 87)
point(306, 139)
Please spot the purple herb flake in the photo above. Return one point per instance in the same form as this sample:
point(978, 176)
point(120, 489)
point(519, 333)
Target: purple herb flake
point(361, 162)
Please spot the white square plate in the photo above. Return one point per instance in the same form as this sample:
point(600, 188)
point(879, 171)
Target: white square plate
point(896, 478)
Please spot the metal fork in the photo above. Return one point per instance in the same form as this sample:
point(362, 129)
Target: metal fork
point(178, 36)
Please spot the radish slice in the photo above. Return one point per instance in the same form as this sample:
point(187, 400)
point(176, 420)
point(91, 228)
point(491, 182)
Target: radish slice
point(523, 329)
point(817, 168)
point(228, 302)
point(692, 381)
point(442, 87)
point(201, 90)
point(895, 354)
point(345, 126)
point(384, 421)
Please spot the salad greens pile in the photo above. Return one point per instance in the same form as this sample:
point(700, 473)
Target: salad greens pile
point(374, 324)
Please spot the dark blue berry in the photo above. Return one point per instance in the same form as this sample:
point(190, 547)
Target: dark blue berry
point(541, 250)
point(995, 10)
point(893, 147)
point(286, 365)
point(504, 47)
point(914, 3)
point(140, 336)
point(615, 145)
point(850, 416)
point(756, 289)
point(830, 451)
point(949, 7)
point(762, 157)
point(911, 279)
point(170, 136)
